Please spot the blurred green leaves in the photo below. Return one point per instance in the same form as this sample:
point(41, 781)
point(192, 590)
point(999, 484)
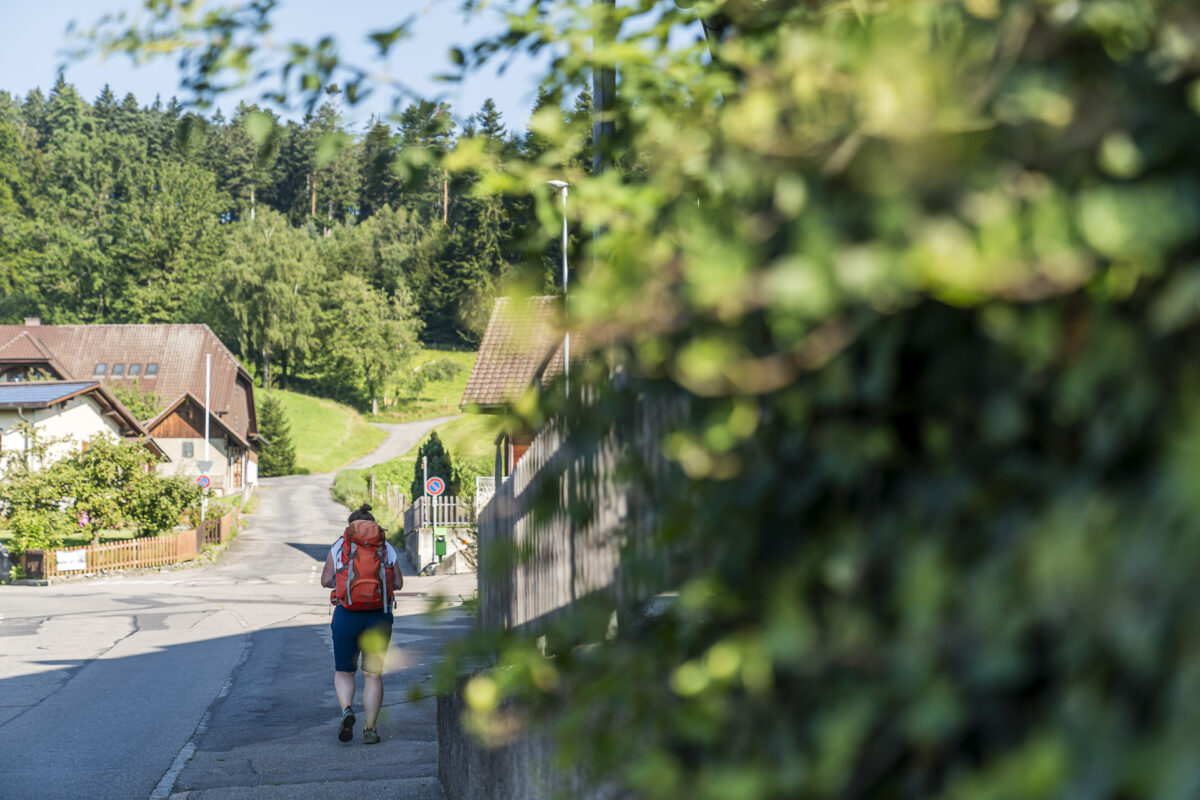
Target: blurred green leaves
point(923, 276)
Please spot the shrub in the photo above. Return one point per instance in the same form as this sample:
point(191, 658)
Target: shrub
point(439, 465)
point(102, 488)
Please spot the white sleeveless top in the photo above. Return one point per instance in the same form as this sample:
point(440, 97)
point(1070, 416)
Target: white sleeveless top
point(336, 552)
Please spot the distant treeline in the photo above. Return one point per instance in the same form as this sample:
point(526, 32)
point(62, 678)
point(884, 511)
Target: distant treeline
point(278, 235)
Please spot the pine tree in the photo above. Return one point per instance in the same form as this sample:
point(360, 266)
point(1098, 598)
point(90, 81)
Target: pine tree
point(279, 457)
point(439, 466)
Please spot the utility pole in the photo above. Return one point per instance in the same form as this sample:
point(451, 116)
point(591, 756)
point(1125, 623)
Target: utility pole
point(604, 91)
point(562, 186)
point(207, 383)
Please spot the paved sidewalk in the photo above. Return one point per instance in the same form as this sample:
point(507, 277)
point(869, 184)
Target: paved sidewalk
point(274, 734)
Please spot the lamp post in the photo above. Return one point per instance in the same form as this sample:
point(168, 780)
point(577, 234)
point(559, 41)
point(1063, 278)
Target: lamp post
point(562, 187)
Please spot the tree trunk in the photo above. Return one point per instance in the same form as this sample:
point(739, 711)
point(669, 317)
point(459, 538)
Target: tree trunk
point(313, 212)
point(266, 359)
point(374, 405)
point(252, 204)
point(445, 197)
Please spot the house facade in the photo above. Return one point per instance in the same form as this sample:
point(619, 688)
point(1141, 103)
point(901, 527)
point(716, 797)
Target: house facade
point(64, 417)
point(165, 363)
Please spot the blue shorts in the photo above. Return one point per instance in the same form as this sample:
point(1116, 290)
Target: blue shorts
point(349, 628)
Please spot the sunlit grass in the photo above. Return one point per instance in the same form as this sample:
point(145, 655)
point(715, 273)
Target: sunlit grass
point(469, 439)
point(435, 398)
point(327, 435)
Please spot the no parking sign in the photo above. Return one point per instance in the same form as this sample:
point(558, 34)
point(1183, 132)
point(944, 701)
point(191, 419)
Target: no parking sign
point(203, 481)
point(435, 486)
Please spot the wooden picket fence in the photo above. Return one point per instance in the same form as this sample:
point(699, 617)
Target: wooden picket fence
point(147, 551)
point(536, 560)
point(450, 512)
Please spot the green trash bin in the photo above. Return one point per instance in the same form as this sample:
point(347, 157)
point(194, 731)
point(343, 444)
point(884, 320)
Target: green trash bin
point(439, 543)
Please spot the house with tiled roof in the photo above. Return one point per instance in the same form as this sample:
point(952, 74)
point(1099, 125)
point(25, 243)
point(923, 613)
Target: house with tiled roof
point(522, 350)
point(65, 416)
point(166, 361)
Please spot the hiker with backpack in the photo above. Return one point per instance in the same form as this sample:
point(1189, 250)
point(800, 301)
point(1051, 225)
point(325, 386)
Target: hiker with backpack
point(363, 573)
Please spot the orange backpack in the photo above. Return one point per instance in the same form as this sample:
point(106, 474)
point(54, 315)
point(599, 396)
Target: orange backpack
point(364, 581)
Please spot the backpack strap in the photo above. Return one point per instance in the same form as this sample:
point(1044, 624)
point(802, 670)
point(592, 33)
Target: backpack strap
point(383, 581)
point(350, 566)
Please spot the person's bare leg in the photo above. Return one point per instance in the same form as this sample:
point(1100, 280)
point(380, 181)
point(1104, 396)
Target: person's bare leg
point(343, 684)
point(372, 696)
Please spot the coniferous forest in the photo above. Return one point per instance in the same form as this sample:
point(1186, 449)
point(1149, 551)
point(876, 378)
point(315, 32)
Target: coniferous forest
point(277, 234)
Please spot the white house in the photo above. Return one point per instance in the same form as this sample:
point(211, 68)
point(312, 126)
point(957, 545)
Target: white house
point(65, 415)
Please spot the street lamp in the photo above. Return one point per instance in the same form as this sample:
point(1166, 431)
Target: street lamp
point(562, 187)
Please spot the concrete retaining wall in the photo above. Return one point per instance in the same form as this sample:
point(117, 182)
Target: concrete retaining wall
point(523, 770)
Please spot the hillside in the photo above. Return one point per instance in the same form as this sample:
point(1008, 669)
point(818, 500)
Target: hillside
point(431, 386)
point(469, 439)
point(327, 435)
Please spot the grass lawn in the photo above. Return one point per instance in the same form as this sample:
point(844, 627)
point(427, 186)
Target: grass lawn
point(327, 435)
point(469, 439)
point(438, 398)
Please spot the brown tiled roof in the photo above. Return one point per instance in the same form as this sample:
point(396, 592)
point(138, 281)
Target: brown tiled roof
point(521, 338)
point(179, 351)
point(23, 347)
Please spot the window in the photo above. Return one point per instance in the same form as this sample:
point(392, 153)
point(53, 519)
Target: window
point(151, 370)
point(118, 370)
point(100, 370)
point(135, 370)
point(189, 450)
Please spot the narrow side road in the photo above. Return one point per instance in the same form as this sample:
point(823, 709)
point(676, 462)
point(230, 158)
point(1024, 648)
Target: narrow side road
point(401, 437)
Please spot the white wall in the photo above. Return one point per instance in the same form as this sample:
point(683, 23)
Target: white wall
point(218, 454)
point(78, 420)
point(187, 466)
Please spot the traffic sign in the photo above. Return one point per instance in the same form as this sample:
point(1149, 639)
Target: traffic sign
point(204, 481)
point(435, 486)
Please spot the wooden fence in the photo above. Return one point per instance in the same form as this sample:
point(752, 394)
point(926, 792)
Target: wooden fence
point(536, 560)
point(395, 500)
point(219, 529)
point(146, 551)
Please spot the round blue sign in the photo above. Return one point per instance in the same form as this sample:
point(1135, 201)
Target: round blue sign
point(435, 486)
point(203, 481)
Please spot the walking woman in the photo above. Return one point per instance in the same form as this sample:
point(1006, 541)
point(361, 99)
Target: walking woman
point(363, 572)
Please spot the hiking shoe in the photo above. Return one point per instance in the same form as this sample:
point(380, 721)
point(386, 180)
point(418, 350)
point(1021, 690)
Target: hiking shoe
point(346, 729)
point(370, 736)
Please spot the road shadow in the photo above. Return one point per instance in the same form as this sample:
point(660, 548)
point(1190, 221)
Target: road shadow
point(316, 552)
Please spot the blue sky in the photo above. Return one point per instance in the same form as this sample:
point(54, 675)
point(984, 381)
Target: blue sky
point(33, 38)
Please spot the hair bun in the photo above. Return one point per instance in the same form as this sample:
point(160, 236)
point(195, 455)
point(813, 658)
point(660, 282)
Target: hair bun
point(364, 507)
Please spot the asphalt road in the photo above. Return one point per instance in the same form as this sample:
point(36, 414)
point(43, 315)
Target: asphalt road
point(213, 681)
point(401, 437)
